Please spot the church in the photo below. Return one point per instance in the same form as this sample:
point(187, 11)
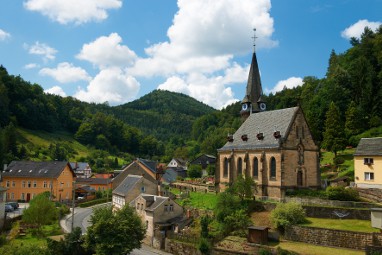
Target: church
point(275, 148)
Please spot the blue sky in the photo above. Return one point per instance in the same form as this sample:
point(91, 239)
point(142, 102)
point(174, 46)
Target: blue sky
point(118, 51)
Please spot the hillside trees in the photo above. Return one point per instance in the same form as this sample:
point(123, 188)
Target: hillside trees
point(334, 135)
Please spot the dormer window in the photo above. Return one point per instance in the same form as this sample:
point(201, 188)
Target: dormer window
point(368, 161)
point(277, 134)
point(260, 136)
point(230, 138)
point(244, 137)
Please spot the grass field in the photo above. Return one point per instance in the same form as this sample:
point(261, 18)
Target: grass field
point(344, 224)
point(309, 249)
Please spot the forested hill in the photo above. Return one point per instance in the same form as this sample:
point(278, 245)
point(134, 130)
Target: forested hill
point(147, 127)
point(162, 114)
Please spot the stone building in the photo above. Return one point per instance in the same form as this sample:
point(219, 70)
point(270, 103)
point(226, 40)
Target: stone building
point(275, 148)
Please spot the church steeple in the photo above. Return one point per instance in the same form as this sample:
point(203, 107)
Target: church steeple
point(253, 101)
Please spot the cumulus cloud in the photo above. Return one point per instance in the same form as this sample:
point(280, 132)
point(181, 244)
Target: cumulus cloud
point(56, 90)
point(107, 51)
point(41, 49)
point(211, 91)
point(65, 73)
point(73, 11)
point(198, 58)
point(4, 35)
point(205, 35)
point(111, 85)
point(357, 28)
point(289, 83)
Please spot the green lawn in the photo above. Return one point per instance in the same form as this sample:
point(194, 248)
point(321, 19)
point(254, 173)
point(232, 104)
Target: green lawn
point(310, 249)
point(344, 224)
point(199, 200)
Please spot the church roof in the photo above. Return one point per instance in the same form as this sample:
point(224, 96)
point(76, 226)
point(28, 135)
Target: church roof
point(262, 122)
point(369, 147)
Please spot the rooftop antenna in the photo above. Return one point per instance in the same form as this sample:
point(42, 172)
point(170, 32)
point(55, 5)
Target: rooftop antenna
point(254, 39)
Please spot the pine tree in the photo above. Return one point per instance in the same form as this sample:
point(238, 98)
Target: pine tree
point(334, 135)
point(353, 124)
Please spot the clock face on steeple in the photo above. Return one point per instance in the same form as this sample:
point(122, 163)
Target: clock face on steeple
point(244, 107)
point(262, 106)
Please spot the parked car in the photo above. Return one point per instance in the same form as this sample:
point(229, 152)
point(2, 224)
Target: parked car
point(8, 208)
point(15, 205)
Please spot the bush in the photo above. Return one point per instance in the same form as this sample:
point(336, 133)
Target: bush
point(339, 161)
point(286, 214)
point(194, 171)
point(263, 251)
point(204, 246)
point(342, 194)
point(93, 202)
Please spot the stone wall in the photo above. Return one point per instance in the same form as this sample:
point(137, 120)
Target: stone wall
point(324, 202)
point(180, 248)
point(331, 237)
point(335, 213)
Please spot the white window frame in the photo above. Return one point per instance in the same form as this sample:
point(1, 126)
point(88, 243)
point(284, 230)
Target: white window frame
point(369, 176)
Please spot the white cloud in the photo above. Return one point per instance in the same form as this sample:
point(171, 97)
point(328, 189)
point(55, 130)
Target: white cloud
point(357, 28)
point(65, 73)
point(211, 91)
point(31, 66)
point(111, 85)
point(4, 35)
point(175, 84)
point(289, 83)
point(107, 51)
point(73, 11)
point(56, 90)
point(43, 50)
point(198, 58)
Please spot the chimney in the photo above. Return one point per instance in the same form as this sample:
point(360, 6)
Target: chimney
point(5, 167)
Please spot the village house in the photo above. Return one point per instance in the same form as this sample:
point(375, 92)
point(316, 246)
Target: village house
point(275, 148)
point(150, 170)
point(81, 169)
point(130, 188)
point(98, 184)
point(204, 160)
point(161, 215)
point(26, 179)
point(178, 163)
point(368, 162)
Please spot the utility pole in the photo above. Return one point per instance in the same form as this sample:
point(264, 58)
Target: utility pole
point(73, 204)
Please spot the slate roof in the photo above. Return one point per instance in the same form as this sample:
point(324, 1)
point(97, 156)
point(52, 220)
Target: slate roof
point(369, 147)
point(262, 122)
point(157, 201)
point(78, 166)
point(127, 184)
point(50, 169)
point(149, 164)
point(170, 175)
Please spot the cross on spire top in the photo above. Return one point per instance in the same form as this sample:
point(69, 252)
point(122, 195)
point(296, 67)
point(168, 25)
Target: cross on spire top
point(254, 39)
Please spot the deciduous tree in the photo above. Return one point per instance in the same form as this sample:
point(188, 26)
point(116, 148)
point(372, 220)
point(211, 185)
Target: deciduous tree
point(113, 233)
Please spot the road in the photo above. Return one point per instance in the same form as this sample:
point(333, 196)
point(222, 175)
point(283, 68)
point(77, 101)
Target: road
point(81, 219)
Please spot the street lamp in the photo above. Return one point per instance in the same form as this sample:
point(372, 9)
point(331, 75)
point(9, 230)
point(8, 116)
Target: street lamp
point(73, 203)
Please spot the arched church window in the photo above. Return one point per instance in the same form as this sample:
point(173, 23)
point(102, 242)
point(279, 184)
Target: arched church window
point(273, 168)
point(225, 167)
point(240, 166)
point(255, 168)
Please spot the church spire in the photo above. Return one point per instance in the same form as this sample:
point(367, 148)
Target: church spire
point(253, 101)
